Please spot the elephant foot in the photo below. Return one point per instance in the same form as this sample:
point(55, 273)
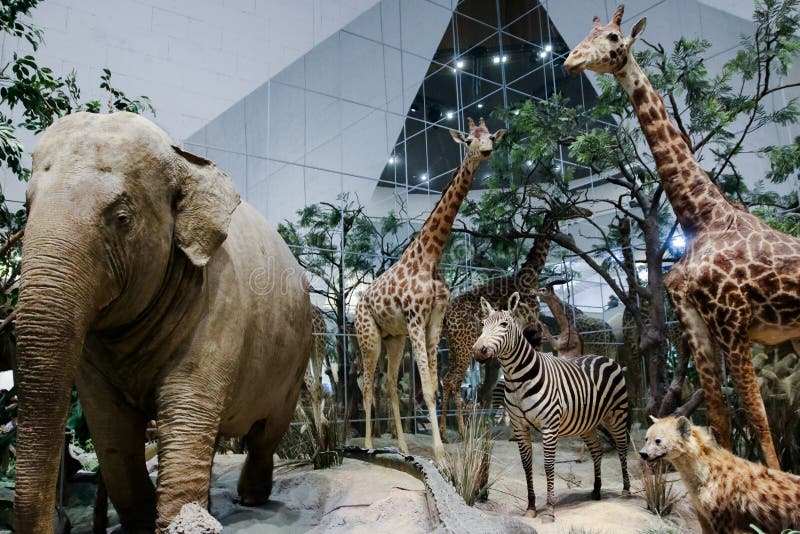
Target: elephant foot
point(255, 482)
point(530, 513)
point(253, 499)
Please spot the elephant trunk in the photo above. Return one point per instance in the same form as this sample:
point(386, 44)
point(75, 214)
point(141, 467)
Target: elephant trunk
point(54, 312)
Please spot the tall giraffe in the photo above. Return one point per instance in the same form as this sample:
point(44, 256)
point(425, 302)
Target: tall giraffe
point(410, 298)
point(569, 342)
point(462, 320)
point(739, 280)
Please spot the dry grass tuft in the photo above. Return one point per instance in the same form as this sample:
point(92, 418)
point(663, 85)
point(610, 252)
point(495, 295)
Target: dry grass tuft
point(309, 443)
point(466, 466)
point(658, 491)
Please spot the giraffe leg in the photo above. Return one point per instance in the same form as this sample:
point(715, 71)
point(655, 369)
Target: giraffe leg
point(433, 338)
point(523, 438)
point(709, 367)
point(417, 333)
point(369, 341)
point(744, 376)
point(394, 353)
point(549, 441)
point(451, 385)
point(596, 450)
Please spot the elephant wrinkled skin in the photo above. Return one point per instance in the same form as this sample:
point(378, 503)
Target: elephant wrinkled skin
point(148, 284)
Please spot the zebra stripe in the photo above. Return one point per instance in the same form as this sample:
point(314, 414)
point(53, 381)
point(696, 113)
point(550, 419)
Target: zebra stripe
point(560, 397)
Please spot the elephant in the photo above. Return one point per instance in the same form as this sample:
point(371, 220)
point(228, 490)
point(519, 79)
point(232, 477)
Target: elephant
point(151, 287)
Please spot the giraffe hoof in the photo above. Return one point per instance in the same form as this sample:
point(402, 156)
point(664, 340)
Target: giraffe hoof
point(548, 518)
point(530, 513)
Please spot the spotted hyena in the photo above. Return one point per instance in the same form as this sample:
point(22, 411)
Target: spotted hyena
point(728, 493)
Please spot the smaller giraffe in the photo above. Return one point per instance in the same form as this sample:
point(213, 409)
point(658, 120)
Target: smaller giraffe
point(411, 297)
point(569, 342)
point(728, 493)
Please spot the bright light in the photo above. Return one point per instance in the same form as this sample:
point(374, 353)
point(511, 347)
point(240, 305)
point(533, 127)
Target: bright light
point(480, 106)
point(449, 114)
point(460, 64)
point(529, 163)
point(542, 54)
point(504, 59)
point(496, 59)
point(424, 177)
point(515, 112)
point(454, 71)
point(392, 160)
point(548, 48)
point(678, 241)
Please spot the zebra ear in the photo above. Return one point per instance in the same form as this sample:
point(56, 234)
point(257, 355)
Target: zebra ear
point(513, 301)
point(486, 307)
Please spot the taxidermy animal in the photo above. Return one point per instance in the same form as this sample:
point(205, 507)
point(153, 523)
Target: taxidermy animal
point(559, 397)
point(739, 280)
point(148, 284)
point(728, 493)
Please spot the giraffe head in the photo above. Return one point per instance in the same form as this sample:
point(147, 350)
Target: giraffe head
point(500, 333)
point(605, 49)
point(479, 141)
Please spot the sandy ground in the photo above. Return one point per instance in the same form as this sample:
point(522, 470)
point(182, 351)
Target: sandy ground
point(612, 514)
point(360, 497)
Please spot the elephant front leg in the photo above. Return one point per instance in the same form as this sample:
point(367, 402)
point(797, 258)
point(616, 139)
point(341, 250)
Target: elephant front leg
point(118, 433)
point(189, 410)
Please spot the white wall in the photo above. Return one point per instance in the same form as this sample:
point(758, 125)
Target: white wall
point(193, 58)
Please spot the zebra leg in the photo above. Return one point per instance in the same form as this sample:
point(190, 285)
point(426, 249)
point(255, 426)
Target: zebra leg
point(549, 441)
point(523, 438)
point(596, 450)
point(616, 423)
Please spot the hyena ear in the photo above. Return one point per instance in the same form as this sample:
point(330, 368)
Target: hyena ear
point(513, 301)
point(654, 419)
point(684, 426)
point(486, 307)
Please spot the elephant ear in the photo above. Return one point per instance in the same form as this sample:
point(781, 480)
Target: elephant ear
point(206, 201)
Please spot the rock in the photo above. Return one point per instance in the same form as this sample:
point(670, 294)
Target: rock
point(194, 519)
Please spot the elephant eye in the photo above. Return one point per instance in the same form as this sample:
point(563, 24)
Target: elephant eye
point(123, 217)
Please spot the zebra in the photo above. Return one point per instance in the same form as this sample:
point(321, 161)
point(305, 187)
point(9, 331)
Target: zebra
point(557, 396)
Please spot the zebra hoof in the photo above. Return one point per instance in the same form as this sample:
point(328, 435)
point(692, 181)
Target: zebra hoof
point(530, 513)
point(626, 493)
point(548, 518)
point(596, 495)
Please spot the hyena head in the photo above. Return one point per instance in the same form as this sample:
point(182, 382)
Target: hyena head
point(667, 438)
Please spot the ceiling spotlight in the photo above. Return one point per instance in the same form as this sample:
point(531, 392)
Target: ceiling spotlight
point(449, 114)
point(424, 178)
point(480, 106)
point(454, 71)
point(496, 59)
point(460, 64)
point(392, 160)
point(542, 54)
point(504, 59)
point(413, 109)
point(548, 48)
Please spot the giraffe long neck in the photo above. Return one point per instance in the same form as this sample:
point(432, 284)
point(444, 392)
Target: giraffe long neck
point(537, 255)
point(690, 191)
point(432, 237)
